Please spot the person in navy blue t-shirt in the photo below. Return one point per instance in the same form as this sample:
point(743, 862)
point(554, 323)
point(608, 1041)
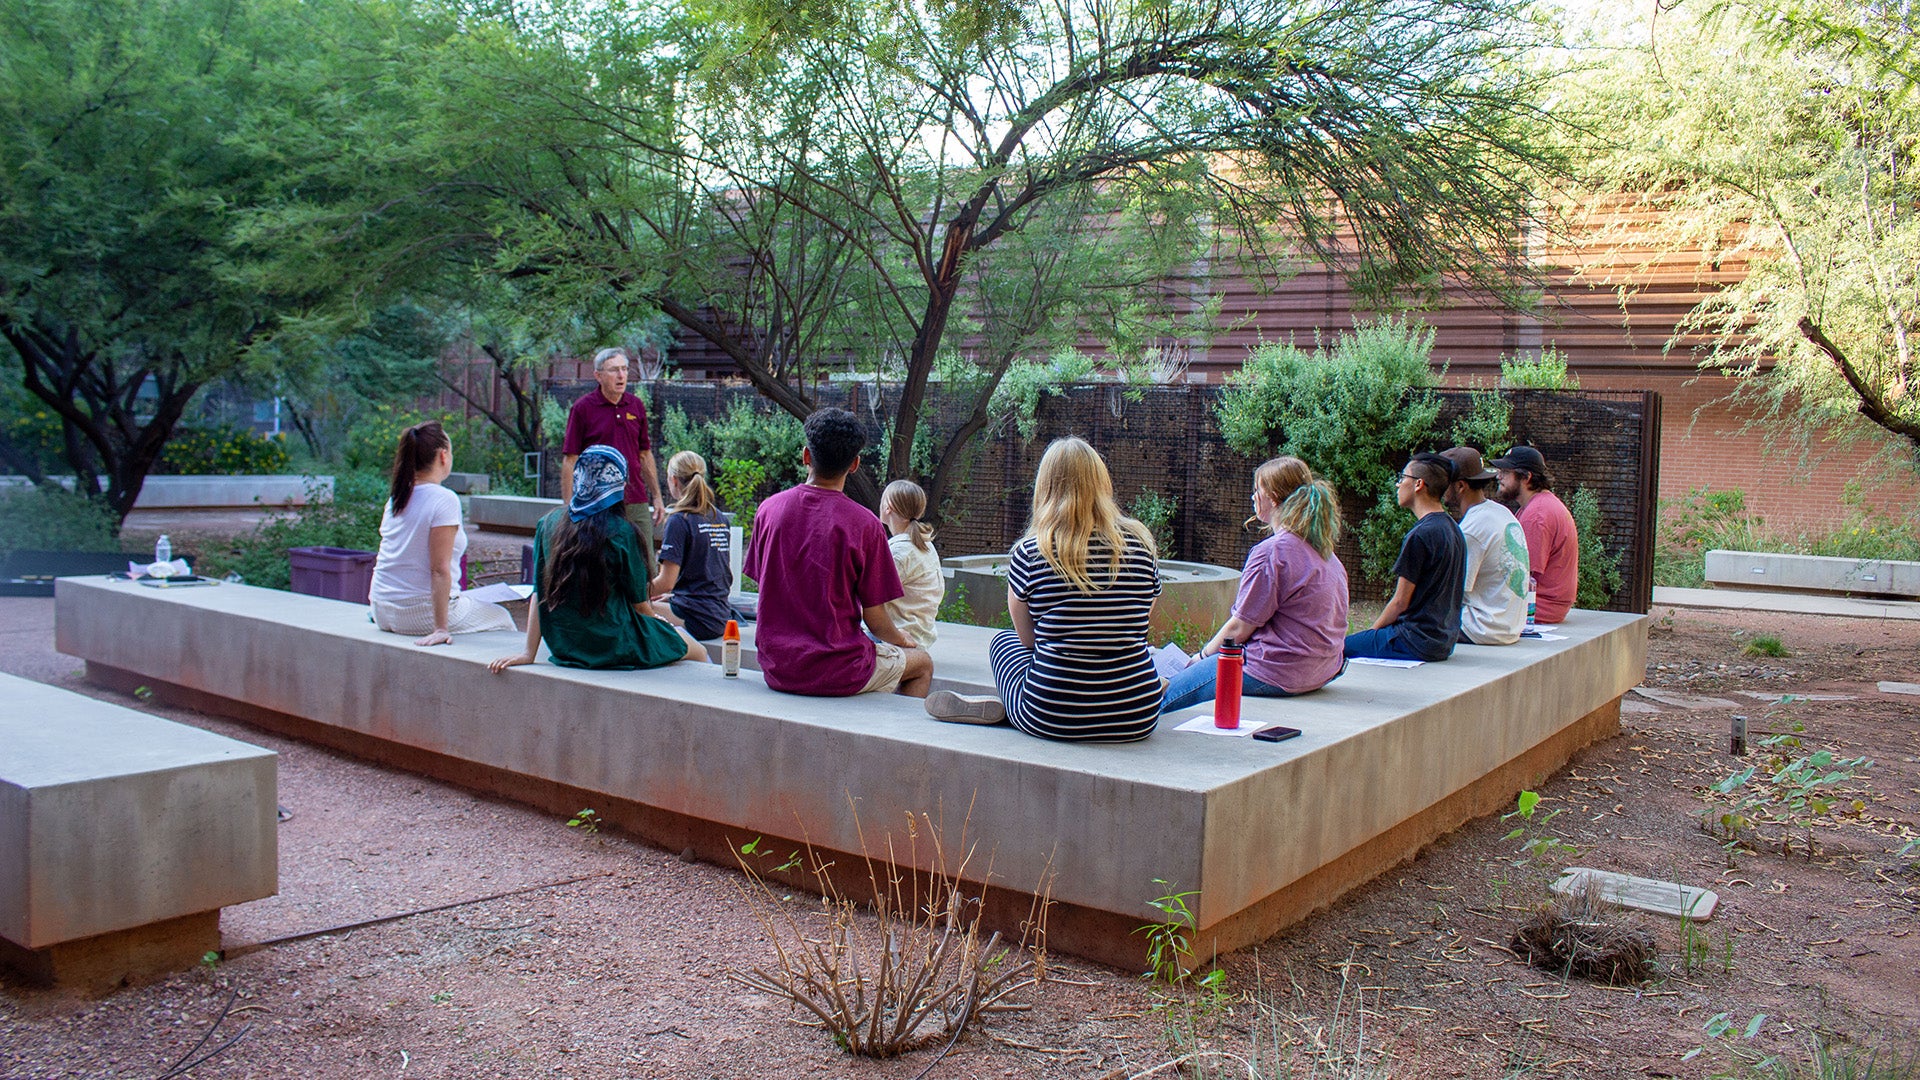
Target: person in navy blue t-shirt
point(696, 575)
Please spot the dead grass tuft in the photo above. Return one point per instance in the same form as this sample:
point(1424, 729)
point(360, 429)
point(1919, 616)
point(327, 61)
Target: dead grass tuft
point(892, 974)
point(1582, 936)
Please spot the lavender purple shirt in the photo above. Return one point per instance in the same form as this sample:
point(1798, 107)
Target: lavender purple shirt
point(1299, 602)
point(820, 559)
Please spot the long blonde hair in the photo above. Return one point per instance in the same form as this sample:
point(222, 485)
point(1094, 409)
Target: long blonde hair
point(1073, 503)
point(696, 497)
point(1304, 505)
point(910, 501)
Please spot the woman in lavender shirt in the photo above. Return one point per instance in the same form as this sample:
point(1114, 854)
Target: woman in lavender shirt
point(1291, 613)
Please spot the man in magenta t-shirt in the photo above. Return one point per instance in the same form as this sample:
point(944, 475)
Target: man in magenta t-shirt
point(1553, 543)
point(612, 417)
point(823, 567)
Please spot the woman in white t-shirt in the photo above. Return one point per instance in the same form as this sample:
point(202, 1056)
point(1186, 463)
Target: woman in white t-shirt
point(415, 580)
point(911, 541)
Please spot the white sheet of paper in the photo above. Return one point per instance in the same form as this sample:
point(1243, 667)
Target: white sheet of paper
point(1204, 725)
point(500, 593)
point(1377, 662)
point(1169, 660)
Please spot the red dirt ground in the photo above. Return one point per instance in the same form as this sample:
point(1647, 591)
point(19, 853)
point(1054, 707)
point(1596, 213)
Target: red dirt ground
point(614, 961)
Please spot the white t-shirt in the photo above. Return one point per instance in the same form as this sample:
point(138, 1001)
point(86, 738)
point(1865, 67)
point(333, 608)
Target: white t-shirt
point(920, 576)
point(401, 574)
point(1495, 610)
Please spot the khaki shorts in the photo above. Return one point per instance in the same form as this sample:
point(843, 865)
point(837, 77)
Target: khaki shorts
point(889, 663)
point(642, 519)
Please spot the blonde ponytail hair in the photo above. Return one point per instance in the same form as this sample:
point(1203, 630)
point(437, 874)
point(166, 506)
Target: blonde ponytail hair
point(910, 502)
point(696, 497)
point(1072, 503)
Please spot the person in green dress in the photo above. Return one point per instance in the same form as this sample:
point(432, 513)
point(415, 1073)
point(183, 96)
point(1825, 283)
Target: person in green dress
point(590, 582)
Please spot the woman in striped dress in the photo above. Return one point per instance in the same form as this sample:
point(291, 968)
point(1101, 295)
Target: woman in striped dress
point(1080, 588)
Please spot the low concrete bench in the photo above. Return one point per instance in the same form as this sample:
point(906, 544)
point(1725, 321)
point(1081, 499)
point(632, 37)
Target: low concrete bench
point(213, 492)
point(508, 513)
point(122, 836)
point(1813, 573)
point(1266, 833)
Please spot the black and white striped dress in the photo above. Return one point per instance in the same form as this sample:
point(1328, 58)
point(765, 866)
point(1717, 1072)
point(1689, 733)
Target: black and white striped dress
point(1089, 677)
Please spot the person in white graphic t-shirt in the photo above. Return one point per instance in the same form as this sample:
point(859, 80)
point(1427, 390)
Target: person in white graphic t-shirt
point(1494, 609)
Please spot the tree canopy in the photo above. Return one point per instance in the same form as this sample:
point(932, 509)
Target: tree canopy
point(914, 188)
point(1782, 132)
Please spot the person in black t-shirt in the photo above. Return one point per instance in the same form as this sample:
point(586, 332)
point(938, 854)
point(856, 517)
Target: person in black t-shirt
point(1423, 618)
point(695, 576)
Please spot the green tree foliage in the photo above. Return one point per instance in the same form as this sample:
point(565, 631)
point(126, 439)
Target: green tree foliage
point(1352, 412)
point(1782, 132)
point(866, 184)
point(135, 138)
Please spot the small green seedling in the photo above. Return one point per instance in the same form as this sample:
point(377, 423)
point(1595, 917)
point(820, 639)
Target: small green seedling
point(586, 820)
point(1536, 845)
point(144, 693)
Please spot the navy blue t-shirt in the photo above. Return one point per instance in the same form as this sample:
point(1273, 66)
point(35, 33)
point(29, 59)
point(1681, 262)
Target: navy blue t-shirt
point(1434, 558)
point(701, 546)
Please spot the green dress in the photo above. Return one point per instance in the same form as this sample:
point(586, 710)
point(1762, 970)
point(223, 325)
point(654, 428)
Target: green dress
point(618, 637)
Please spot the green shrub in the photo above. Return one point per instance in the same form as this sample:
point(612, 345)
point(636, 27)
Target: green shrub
point(43, 519)
point(748, 432)
point(737, 485)
point(1156, 512)
point(220, 451)
point(33, 431)
point(1351, 412)
point(351, 520)
point(478, 446)
point(1600, 576)
point(1548, 371)
point(1706, 521)
point(1486, 423)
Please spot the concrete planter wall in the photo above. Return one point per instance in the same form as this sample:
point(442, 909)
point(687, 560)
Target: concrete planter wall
point(1197, 594)
point(213, 492)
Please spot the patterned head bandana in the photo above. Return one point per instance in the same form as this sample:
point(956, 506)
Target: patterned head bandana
point(599, 481)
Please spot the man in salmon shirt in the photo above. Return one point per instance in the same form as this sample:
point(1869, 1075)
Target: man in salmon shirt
point(1553, 543)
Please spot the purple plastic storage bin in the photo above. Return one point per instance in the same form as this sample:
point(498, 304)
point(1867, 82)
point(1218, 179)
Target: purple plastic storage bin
point(335, 573)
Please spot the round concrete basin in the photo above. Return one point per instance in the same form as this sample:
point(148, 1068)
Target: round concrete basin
point(1197, 594)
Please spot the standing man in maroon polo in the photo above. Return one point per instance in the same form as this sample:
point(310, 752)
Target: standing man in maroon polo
point(618, 419)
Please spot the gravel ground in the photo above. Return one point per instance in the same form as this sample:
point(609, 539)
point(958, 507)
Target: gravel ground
point(515, 946)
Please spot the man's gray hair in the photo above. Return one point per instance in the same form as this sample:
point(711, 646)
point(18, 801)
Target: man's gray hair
point(600, 358)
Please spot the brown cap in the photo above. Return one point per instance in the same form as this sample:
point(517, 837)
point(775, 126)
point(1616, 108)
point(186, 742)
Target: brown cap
point(1467, 464)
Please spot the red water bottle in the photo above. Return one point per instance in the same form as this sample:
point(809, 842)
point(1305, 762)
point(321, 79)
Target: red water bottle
point(1226, 687)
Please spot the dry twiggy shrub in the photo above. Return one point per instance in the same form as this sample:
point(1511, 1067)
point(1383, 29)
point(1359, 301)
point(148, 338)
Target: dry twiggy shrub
point(1582, 935)
point(888, 976)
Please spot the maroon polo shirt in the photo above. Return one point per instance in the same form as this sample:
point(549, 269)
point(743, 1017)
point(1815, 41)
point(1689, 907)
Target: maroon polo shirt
point(622, 426)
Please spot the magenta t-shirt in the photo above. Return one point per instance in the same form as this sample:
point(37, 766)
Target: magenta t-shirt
point(1299, 602)
point(1553, 555)
point(820, 559)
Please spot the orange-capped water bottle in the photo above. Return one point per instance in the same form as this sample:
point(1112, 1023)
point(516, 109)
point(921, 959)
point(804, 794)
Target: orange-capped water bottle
point(730, 650)
point(1226, 686)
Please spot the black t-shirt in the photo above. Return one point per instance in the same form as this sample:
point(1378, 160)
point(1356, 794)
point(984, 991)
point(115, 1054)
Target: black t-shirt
point(700, 545)
point(1434, 558)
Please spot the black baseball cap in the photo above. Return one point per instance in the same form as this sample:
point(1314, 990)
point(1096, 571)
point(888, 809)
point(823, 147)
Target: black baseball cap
point(1522, 458)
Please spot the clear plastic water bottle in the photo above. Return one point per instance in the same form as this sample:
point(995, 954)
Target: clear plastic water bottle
point(1531, 596)
point(163, 549)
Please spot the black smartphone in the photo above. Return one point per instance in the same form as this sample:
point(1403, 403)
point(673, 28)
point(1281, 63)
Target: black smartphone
point(1276, 734)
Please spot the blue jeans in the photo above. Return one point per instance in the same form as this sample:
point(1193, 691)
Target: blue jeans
point(1386, 643)
point(1195, 684)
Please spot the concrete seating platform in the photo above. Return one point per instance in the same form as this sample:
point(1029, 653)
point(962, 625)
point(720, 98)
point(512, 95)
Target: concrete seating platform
point(508, 513)
point(122, 836)
point(1814, 573)
point(1265, 832)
